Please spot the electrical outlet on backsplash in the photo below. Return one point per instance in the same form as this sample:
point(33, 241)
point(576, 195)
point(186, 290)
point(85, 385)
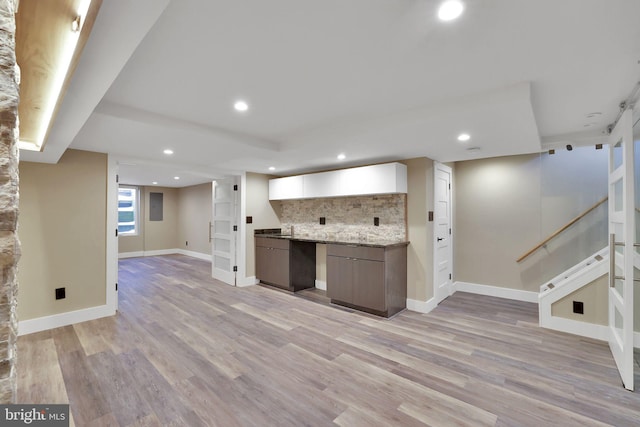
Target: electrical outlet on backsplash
point(347, 218)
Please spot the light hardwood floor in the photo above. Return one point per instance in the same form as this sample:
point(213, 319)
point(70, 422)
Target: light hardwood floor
point(186, 350)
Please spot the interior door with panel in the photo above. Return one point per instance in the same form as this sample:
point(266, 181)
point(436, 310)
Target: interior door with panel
point(443, 244)
point(622, 250)
point(223, 230)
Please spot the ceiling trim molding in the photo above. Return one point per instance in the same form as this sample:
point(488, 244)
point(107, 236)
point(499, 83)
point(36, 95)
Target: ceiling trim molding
point(148, 117)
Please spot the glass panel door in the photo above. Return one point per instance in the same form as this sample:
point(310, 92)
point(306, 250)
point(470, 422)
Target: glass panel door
point(622, 232)
point(223, 230)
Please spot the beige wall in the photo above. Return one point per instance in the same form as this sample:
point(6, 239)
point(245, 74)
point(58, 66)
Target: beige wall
point(62, 228)
point(131, 243)
point(594, 296)
point(321, 262)
point(505, 206)
point(163, 234)
point(497, 219)
point(265, 213)
point(595, 299)
point(194, 214)
point(420, 230)
point(154, 235)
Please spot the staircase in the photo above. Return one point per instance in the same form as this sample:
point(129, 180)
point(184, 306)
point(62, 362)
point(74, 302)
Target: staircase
point(566, 283)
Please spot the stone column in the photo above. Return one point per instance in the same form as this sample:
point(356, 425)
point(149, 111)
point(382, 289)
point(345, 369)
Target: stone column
point(9, 244)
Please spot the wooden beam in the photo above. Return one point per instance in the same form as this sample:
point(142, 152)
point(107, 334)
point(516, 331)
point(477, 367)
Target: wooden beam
point(43, 28)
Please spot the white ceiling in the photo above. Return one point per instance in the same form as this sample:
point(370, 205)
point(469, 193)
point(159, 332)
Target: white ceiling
point(376, 79)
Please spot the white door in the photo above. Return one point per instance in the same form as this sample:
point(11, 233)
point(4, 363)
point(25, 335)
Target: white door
point(112, 234)
point(223, 230)
point(443, 243)
point(621, 246)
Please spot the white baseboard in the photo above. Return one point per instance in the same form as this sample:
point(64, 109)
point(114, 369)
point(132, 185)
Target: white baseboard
point(162, 252)
point(576, 327)
point(159, 252)
point(321, 284)
point(247, 281)
point(584, 329)
point(137, 254)
point(193, 254)
point(496, 291)
point(474, 288)
point(421, 306)
point(63, 319)
point(148, 253)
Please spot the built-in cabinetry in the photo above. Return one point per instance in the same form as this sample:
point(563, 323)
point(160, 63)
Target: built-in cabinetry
point(286, 188)
point(286, 264)
point(372, 279)
point(368, 277)
point(387, 178)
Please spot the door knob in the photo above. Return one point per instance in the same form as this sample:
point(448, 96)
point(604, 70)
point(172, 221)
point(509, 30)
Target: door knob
point(440, 238)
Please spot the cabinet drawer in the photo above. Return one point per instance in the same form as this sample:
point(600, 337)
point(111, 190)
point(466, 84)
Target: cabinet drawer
point(354, 251)
point(267, 242)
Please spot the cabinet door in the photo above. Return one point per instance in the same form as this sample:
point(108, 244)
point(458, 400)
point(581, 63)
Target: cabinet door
point(263, 263)
point(340, 278)
point(368, 284)
point(324, 184)
point(272, 266)
point(376, 179)
point(286, 188)
point(280, 267)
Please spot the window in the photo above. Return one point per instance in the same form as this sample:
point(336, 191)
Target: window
point(128, 211)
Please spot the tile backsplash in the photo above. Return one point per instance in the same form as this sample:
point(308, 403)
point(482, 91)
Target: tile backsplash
point(349, 218)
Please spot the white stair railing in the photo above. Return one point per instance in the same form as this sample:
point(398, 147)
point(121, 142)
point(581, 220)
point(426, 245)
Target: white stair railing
point(565, 284)
point(577, 271)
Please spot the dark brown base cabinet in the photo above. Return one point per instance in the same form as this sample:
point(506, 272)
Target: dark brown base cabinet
point(286, 264)
point(371, 279)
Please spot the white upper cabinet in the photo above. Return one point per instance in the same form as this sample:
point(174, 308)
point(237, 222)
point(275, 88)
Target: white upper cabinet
point(290, 187)
point(324, 184)
point(377, 179)
point(388, 178)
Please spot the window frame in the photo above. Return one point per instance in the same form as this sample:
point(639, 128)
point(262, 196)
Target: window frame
point(135, 209)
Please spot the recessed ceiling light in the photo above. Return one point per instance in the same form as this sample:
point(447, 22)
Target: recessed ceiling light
point(176, 177)
point(450, 10)
point(155, 182)
point(241, 106)
point(167, 151)
point(271, 168)
point(341, 156)
point(464, 137)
